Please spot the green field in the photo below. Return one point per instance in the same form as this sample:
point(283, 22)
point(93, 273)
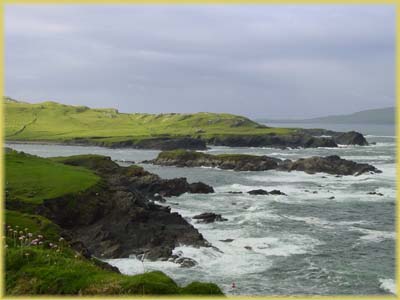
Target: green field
point(43, 268)
point(33, 179)
point(54, 122)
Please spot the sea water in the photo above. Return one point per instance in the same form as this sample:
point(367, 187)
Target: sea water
point(304, 243)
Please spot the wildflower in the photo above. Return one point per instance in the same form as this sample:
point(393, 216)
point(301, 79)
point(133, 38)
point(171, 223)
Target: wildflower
point(76, 255)
point(30, 234)
point(51, 244)
point(61, 239)
point(58, 250)
point(10, 230)
point(21, 237)
point(54, 246)
point(27, 254)
point(6, 246)
point(40, 236)
point(21, 232)
point(40, 243)
point(26, 229)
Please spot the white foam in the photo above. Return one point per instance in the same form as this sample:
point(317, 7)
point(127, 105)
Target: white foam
point(388, 285)
point(374, 235)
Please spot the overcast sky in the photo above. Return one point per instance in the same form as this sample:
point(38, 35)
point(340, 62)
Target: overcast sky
point(274, 61)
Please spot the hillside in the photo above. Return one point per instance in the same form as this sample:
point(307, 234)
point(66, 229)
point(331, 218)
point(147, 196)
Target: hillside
point(370, 116)
point(54, 122)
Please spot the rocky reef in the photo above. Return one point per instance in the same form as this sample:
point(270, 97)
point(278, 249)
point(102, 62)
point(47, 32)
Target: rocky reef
point(239, 162)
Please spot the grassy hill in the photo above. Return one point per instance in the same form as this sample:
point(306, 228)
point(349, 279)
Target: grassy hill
point(54, 122)
point(39, 261)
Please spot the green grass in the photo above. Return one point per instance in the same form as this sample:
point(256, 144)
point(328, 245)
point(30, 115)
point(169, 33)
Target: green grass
point(53, 122)
point(33, 179)
point(36, 224)
point(41, 269)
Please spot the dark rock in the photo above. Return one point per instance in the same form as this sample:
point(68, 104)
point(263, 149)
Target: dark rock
point(277, 192)
point(331, 164)
point(116, 219)
point(248, 248)
point(375, 193)
point(331, 198)
point(264, 192)
point(227, 240)
point(343, 138)
point(258, 192)
point(200, 188)
point(209, 218)
point(230, 192)
point(295, 140)
point(186, 262)
point(350, 138)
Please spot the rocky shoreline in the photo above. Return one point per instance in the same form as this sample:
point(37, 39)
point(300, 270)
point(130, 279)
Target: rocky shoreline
point(301, 138)
point(239, 162)
point(118, 217)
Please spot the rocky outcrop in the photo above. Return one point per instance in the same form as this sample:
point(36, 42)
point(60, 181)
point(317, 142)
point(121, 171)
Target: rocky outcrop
point(209, 217)
point(116, 219)
point(331, 164)
point(238, 162)
point(264, 192)
point(340, 138)
point(297, 140)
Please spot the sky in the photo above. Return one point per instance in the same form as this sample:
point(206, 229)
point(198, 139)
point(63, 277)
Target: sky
point(273, 61)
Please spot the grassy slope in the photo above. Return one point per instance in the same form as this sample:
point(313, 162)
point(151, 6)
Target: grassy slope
point(50, 121)
point(34, 179)
point(40, 269)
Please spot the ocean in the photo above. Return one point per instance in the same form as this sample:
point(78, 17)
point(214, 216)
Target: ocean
point(305, 243)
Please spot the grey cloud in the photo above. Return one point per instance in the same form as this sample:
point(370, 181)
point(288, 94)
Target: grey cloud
point(256, 60)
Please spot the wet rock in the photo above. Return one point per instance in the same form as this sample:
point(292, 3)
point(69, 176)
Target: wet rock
point(248, 248)
point(277, 192)
point(231, 192)
point(264, 192)
point(375, 193)
point(227, 240)
point(258, 192)
point(209, 217)
point(186, 262)
point(330, 164)
point(331, 198)
point(200, 188)
point(118, 219)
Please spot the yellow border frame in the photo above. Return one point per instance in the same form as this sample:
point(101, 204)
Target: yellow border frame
point(191, 2)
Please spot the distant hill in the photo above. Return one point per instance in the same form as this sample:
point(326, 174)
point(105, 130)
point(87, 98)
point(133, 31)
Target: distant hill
point(55, 122)
point(370, 116)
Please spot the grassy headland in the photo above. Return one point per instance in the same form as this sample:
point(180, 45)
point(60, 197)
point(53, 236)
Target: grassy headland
point(54, 122)
point(38, 260)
